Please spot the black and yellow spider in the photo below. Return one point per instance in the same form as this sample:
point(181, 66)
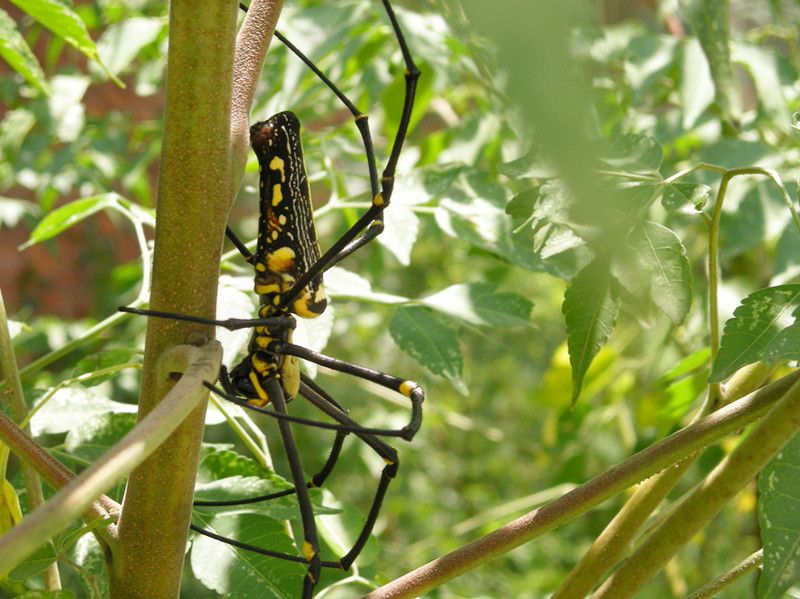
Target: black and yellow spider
point(289, 267)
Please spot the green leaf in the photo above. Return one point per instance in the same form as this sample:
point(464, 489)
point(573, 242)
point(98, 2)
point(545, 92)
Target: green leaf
point(521, 205)
point(755, 324)
point(590, 312)
point(779, 519)
point(785, 346)
point(94, 435)
point(670, 275)
point(59, 18)
point(71, 406)
point(481, 304)
point(697, 86)
point(762, 66)
point(35, 564)
point(632, 152)
point(239, 574)
point(400, 232)
point(105, 359)
point(422, 335)
point(344, 283)
point(16, 52)
point(527, 166)
point(68, 215)
point(122, 41)
point(682, 197)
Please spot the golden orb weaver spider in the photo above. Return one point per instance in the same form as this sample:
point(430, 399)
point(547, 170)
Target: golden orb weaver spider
point(288, 269)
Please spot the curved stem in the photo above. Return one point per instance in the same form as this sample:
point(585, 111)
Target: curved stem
point(571, 505)
point(79, 493)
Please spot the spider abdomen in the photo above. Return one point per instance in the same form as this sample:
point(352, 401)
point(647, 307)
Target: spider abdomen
point(287, 236)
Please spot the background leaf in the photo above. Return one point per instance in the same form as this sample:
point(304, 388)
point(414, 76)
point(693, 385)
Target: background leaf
point(754, 326)
point(590, 311)
point(779, 519)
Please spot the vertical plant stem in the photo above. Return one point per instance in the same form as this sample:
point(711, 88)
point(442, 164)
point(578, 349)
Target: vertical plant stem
point(713, 286)
point(15, 400)
point(194, 196)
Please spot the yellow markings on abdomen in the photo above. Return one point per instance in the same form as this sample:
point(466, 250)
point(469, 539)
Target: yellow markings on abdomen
point(277, 164)
point(277, 194)
point(281, 260)
point(263, 398)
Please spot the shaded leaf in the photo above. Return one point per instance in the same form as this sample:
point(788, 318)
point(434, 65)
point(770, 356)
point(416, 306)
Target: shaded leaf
point(422, 335)
point(779, 518)
point(590, 312)
point(785, 346)
point(755, 324)
point(680, 197)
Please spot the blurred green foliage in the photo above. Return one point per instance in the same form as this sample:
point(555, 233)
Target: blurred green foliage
point(539, 162)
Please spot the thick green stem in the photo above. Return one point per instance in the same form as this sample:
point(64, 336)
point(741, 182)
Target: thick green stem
point(727, 479)
point(205, 141)
point(194, 196)
point(655, 458)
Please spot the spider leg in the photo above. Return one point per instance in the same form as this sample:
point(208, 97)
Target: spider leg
point(410, 389)
point(240, 245)
point(275, 323)
point(370, 224)
point(310, 549)
point(345, 428)
point(319, 398)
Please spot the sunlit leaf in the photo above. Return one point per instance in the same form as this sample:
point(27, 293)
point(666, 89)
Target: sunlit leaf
point(481, 304)
point(690, 197)
point(16, 52)
point(670, 276)
point(58, 17)
point(710, 19)
point(755, 324)
point(68, 215)
point(697, 86)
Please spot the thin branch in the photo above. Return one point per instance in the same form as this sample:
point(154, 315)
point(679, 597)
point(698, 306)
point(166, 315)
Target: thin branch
point(747, 565)
point(647, 462)
point(728, 478)
point(611, 545)
point(15, 400)
point(78, 493)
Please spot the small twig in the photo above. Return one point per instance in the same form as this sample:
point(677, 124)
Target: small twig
point(715, 586)
point(19, 411)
